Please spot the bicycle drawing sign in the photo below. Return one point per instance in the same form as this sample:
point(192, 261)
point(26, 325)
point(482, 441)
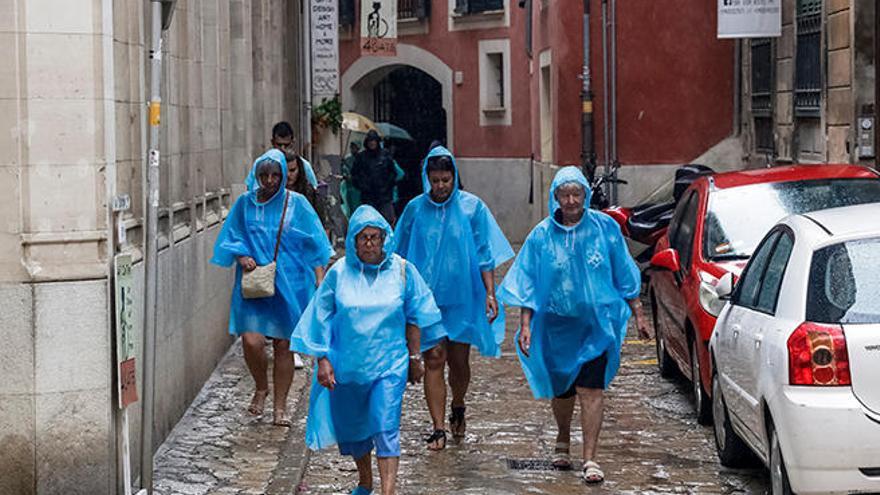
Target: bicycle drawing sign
point(379, 27)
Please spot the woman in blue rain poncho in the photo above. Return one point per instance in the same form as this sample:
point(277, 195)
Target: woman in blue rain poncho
point(454, 241)
point(577, 287)
point(364, 326)
point(248, 239)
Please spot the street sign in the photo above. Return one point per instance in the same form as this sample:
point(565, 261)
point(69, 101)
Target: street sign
point(125, 334)
point(325, 47)
point(749, 18)
point(379, 27)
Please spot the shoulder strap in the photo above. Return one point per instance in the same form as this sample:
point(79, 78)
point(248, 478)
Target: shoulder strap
point(281, 225)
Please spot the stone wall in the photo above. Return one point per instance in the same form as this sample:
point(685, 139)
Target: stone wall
point(72, 136)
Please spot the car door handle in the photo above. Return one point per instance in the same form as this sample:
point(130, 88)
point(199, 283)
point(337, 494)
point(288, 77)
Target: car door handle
point(758, 340)
point(736, 329)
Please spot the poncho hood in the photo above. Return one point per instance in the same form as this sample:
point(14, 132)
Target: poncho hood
point(253, 184)
point(426, 184)
point(367, 216)
point(566, 175)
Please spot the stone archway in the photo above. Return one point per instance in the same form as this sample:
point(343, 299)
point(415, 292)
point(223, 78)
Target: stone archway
point(360, 78)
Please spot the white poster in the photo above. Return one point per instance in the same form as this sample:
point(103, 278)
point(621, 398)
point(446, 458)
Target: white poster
point(325, 47)
point(379, 27)
point(749, 18)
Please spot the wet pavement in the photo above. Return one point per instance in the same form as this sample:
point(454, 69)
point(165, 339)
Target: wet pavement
point(650, 442)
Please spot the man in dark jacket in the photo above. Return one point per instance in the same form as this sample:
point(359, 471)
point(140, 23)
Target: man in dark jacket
point(374, 176)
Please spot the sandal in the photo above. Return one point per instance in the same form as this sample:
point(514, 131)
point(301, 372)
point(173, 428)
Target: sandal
point(359, 490)
point(258, 402)
point(562, 456)
point(592, 474)
point(282, 418)
point(456, 421)
point(436, 437)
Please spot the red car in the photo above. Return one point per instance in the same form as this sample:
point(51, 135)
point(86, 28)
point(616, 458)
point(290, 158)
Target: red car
point(716, 227)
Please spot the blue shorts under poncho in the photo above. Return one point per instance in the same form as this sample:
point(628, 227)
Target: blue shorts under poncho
point(357, 320)
point(451, 243)
point(251, 230)
point(577, 280)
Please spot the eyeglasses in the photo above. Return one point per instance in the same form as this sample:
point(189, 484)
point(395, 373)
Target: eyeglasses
point(370, 239)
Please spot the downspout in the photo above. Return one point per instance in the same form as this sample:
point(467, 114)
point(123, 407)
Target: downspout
point(615, 162)
point(307, 80)
point(737, 87)
point(606, 138)
point(588, 138)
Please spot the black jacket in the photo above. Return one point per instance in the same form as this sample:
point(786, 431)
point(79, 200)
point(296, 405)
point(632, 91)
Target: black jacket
point(374, 176)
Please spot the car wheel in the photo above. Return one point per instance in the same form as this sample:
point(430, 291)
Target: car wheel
point(664, 360)
point(778, 474)
point(701, 402)
point(732, 451)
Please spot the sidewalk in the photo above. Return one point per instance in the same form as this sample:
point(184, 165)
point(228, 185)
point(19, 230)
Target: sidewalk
point(217, 448)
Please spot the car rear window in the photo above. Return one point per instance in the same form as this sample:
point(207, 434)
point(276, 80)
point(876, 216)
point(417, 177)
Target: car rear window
point(845, 283)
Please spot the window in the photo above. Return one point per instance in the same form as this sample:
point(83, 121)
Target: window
point(546, 107)
point(768, 297)
point(808, 61)
point(762, 93)
point(494, 82)
point(843, 284)
point(413, 9)
point(747, 289)
point(346, 13)
point(478, 6)
point(684, 237)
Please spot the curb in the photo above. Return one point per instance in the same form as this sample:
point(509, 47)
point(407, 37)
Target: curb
point(294, 458)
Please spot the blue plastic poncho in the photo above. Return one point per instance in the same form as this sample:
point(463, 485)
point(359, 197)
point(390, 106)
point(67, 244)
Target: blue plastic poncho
point(251, 181)
point(451, 243)
point(577, 280)
point(251, 230)
point(357, 320)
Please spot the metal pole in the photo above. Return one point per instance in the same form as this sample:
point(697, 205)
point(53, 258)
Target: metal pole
point(588, 143)
point(606, 138)
point(614, 157)
point(151, 247)
point(307, 79)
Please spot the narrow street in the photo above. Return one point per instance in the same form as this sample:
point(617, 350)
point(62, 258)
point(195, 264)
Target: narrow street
point(651, 442)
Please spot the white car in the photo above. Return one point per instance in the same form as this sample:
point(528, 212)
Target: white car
point(796, 355)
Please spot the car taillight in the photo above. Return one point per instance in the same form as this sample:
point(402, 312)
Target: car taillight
point(817, 356)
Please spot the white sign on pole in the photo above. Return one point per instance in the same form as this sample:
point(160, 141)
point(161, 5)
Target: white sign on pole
point(379, 27)
point(749, 18)
point(325, 47)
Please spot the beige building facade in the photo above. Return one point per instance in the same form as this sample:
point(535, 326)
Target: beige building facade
point(73, 136)
point(810, 96)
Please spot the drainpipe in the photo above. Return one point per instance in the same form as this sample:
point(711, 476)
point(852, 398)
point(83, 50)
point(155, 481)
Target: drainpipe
point(615, 163)
point(161, 11)
point(588, 139)
point(307, 79)
point(606, 133)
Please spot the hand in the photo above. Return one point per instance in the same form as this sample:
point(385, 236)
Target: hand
point(247, 263)
point(326, 375)
point(525, 339)
point(643, 326)
point(491, 307)
point(416, 370)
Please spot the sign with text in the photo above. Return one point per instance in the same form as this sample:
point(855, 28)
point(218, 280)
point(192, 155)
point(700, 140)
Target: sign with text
point(125, 331)
point(749, 18)
point(325, 47)
point(379, 27)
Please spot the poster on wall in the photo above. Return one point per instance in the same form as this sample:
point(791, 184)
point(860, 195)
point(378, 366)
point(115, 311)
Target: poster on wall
point(749, 18)
point(379, 27)
point(325, 47)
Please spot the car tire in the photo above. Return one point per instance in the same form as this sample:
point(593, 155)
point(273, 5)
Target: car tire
point(732, 450)
point(702, 405)
point(779, 483)
point(664, 360)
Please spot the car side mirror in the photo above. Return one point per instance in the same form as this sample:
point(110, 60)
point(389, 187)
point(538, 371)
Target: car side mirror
point(724, 287)
point(666, 260)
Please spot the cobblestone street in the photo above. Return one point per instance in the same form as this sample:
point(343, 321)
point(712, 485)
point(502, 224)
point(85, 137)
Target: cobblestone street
point(651, 442)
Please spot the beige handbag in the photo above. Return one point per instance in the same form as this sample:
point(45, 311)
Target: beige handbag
point(260, 282)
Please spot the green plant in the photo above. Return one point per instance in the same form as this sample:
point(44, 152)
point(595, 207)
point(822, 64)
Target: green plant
point(328, 114)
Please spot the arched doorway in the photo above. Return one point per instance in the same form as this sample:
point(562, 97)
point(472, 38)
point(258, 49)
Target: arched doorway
point(411, 99)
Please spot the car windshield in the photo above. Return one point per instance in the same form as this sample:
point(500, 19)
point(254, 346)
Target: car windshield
point(843, 283)
point(739, 217)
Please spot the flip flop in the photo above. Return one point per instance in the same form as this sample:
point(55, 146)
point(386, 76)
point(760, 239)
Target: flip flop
point(258, 402)
point(437, 436)
point(282, 418)
point(592, 474)
point(562, 456)
point(359, 490)
point(457, 423)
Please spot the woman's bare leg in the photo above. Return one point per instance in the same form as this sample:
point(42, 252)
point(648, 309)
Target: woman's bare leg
point(255, 357)
point(365, 471)
point(282, 377)
point(388, 474)
point(435, 385)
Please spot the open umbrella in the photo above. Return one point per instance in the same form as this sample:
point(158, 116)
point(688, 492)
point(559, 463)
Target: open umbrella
point(391, 131)
point(356, 122)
